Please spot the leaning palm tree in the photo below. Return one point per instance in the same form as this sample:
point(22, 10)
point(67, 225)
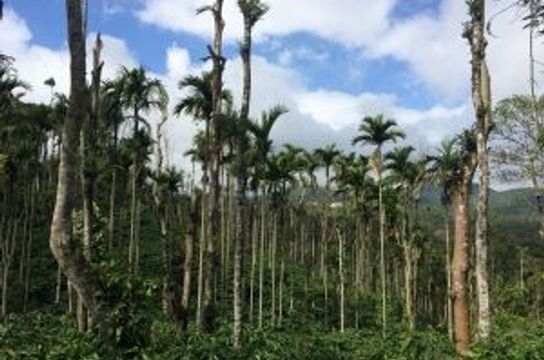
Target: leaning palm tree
point(377, 131)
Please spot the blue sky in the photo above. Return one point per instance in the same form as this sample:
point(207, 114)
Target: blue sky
point(340, 68)
point(331, 62)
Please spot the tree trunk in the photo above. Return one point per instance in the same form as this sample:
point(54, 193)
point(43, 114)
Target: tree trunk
point(448, 275)
point(341, 277)
point(201, 248)
point(481, 96)
point(88, 167)
point(241, 189)
point(382, 249)
point(253, 269)
point(29, 244)
point(207, 323)
point(74, 266)
point(261, 258)
point(187, 264)
point(460, 267)
point(113, 189)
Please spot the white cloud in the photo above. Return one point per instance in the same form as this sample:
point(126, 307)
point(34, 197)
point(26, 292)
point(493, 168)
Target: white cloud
point(354, 22)
point(429, 43)
point(288, 55)
point(435, 51)
point(316, 117)
point(37, 63)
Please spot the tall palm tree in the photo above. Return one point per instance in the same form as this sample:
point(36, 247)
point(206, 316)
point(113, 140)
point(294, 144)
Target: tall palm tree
point(262, 147)
point(138, 94)
point(377, 131)
point(252, 11)
point(311, 163)
point(442, 169)
point(328, 155)
point(198, 104)
point(409, 177)
point(112, 115)
point(208, 316)
point(454, 167)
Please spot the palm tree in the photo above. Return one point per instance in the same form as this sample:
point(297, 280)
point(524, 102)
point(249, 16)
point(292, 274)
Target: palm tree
point(455, 166)
point(252, 11)
point(442, 169)
point(263, 146)
point(311, 163)
point(409, 177)
point(112, 115)
point(207, 323)
point(377, 131)
point(198, 104)
point(327, 155)
point(138, 94)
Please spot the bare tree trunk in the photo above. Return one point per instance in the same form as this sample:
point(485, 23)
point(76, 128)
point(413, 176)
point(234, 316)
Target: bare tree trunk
point(74, 266)
point(202, 246)
point(254, 240)
point(8, 244)
point(111, 217)
point(29, 240)
point(207, 323)
point(448, 275)
point(274, 246)
point(241, 189)
point(382, 251)
point(481, 95)
point(324, 268)
point(187, 264)
point(341, 277)
point(460, 267)
point(261, 258)
point(132, 239)
point(88, 168)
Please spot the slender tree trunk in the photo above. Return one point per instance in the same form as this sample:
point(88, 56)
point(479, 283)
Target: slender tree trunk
point(448, 274)
point(254, 240)
point(324, 267)
point(202, 246)
point(382, 249)
point(8, 251)
point(111, 218)
point(113, 191)
point(29, 240)
point(261, 258)
point(341, 277)
point(187, 264)
point(241, 189)
point(207, 323)
point(274, 246)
